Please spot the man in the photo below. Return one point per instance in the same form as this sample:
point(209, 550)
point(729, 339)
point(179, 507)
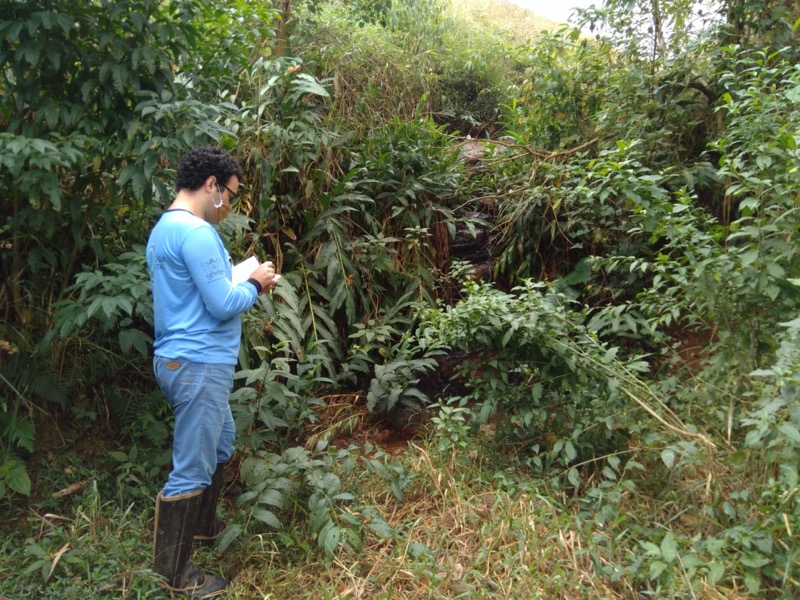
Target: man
point(197, 334)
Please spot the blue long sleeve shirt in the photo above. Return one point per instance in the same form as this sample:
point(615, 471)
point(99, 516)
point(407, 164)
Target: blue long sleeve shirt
point(196, 306)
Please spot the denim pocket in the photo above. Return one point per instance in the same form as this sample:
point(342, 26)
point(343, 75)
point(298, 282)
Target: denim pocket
point(175, 378)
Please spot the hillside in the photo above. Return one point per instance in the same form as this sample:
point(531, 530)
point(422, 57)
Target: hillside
point(537, 330)
point(509, 19)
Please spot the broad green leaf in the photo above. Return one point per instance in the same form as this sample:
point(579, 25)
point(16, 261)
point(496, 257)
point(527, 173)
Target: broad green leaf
point(268, 517)
point(273, 498)
point(650, 548)
point(569, 450)
point(17, 479)
point(381, 528)
point(754, 560)
point(715, 572)
point(657, 568)
point(790, 431)
point(753, 583)
point(610, 355)
point(573, 477)
point(228, 535)
point(669, 549)
point(750, 257)
point(329, 538)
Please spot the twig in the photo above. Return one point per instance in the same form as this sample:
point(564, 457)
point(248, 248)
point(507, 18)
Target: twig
point(536, 153)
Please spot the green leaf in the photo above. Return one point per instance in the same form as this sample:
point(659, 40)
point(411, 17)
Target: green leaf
point(134, 338)
point(268, 517)
point(569, 450)
point(790, 431)
point(381, 528)
point(775, 270)
point(573, 477)
point(750, 257)
point(715, 572)
point(657, 568)
point(764, 161)
point(669, 549)
point(650, 548)
point(668, 457)
point(272, 497)
point(610, 355)
point(228, 535)
point(329, 538)
point(753, 583)
point(754, 560)
point(17, 479)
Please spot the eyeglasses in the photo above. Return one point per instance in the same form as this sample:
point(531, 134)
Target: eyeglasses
point(230, 191)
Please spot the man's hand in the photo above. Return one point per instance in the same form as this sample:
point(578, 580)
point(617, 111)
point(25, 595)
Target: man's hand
point(265, 275)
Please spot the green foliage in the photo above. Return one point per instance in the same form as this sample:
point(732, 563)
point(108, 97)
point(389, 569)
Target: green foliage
point(14, 478)
point(423, 22)
point(395, 363)
point(565, 84)
point(87, 120)
point(299, 481)
point(594, 141)
point(218, 62)
point(773, 431)
point(654, 30)
point(382, 229)
point(281, 112)
point(137, 470)
point(90, 109)
point(118, 300)
point(70, 116)
point(653, 172)
point(351, 47)
point(266, 408)
point(24, 386)
point(734, 279)
point(759, 23)
point(543, 378)
point(89, 548)
point(409, 172)
point(731, 278)
point(452, 426)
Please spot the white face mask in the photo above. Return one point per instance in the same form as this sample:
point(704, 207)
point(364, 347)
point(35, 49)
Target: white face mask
point(215, 204)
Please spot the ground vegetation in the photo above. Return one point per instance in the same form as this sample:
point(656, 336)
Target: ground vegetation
point(608, 409)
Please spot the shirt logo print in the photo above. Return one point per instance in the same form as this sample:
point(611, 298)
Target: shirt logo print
point(213, 268)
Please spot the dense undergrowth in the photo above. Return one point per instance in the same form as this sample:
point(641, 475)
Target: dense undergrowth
point(623, 417)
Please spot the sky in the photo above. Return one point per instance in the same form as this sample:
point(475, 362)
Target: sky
point(556, 10)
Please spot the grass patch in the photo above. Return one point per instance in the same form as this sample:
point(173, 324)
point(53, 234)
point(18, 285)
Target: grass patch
point(463, 530)
point(472, 524)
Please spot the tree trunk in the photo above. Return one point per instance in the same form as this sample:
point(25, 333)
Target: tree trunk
point(285, 7)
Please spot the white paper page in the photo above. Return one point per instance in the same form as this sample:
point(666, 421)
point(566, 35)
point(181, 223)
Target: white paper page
point(243, 270)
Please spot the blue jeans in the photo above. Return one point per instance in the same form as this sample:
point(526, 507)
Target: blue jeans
point(204, 429)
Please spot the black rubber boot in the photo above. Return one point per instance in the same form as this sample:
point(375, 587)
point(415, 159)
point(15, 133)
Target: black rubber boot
point(209, 525)
point(174, 528)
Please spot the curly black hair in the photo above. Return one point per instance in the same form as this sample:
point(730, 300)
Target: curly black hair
point(201, 163)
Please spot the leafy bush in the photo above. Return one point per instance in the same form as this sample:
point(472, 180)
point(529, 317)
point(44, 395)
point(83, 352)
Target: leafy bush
point(375, 77)
point(544, 379)
point(118, 300)
point(299, 482)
